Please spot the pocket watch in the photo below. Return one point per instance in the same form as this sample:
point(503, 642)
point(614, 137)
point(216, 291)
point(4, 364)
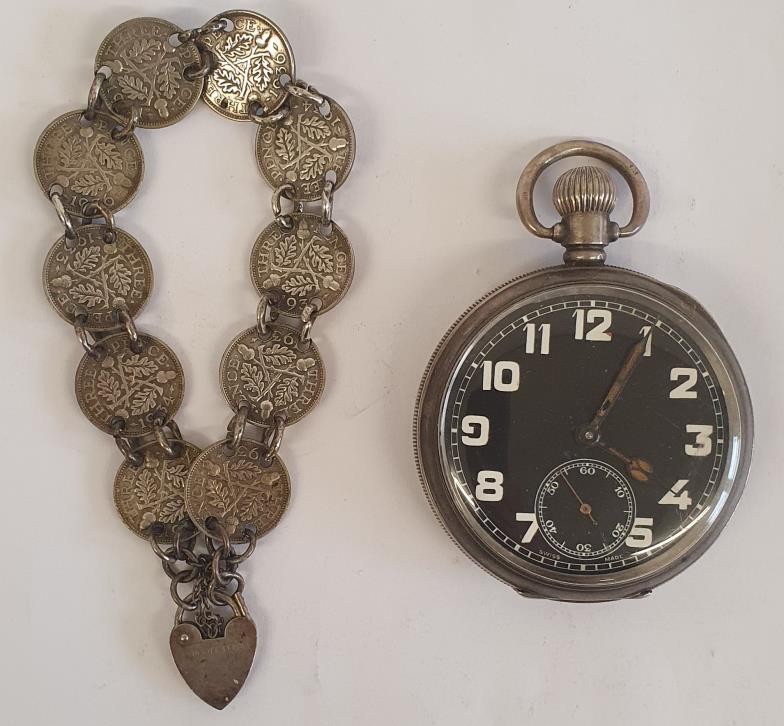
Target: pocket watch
point(584, 432)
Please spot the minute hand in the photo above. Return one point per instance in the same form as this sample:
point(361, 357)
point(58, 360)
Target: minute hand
point(632, 360)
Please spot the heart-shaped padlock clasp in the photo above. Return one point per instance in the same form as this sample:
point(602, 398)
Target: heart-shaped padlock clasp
point(215, 668)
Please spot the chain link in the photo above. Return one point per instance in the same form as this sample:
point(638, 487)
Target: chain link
point(205, 66)
point(126, 129)
point(90, 342)
point(56, 199)
point(285, 191)
point(93, 96)
point(207, 562)
point(266, 313)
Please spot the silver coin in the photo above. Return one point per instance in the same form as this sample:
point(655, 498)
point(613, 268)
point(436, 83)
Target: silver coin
point(303, 263)
point(129, 386)
point(304, 146)
point(249, 60)
point(97, 277)
point(149, 72)
point(272, 375)
point(154, 491)
point(88, 164)
point(235, 487)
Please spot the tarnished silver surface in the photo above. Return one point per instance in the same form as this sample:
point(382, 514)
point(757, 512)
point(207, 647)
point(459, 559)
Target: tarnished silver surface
point(248, 62)
point(89, 274)
point(583, 232)
point(85, 160)
point(272, 374)
point(528, 578)
point(149, 72)
point(154, 491)
point(129, 386)
point(215, 668)
point(302, 263)
point(201, 512)
point(235, 487)
point(584, 198)
point(304, 146)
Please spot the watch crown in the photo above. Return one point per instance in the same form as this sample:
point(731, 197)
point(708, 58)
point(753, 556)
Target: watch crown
point(584, 189)
point(584, 197)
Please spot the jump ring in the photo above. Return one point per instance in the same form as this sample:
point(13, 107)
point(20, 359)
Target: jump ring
point(215, 26)
point(265, 311)
point(168, 556)
point(57, 202)
point(90, 343)
point(127, 448)
point(122, 315)
point(121, 133)
point(286, 191)
point(180, 577)
point(266, 118)
point(327, 198)
point(204, 68)
point(163, 441)
point(273, 439)
point(300, 89)
point(96, 209)
point(237, 559)
point(93, 97)
point(236, 428)
point(175, 429)
point(216, 596)
point(309, 314)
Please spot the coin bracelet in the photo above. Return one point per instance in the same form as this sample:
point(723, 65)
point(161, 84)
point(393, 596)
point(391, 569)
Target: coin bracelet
point(201, 510)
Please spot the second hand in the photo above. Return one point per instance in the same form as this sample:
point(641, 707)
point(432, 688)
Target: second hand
point(585, 508)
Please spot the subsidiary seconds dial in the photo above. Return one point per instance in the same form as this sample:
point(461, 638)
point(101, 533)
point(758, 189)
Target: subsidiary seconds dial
point(584, 509)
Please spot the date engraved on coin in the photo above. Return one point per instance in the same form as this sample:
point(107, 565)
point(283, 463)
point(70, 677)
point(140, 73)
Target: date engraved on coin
point(149, 72)
point(128, 385)
point(97, 277)
point(304, 146)
point(236, 488)
point(272, 375)
point(303, 263)
point(249, 60)
point(89, 165)
point(154, 491)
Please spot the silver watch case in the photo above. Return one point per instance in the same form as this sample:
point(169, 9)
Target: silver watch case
point(528, 578)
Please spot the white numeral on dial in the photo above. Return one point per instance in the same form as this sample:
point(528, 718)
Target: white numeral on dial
point(645, 330)
point(501, 376)
point(600, 319)
point(703, 443)
point(685, 389)
point(533, 527)
point(476, 430)
point(489, 486)
point(530, 338)
point(677, 495)
point(641, 534)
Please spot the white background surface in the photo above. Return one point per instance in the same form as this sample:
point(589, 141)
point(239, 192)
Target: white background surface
point(367, 612)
